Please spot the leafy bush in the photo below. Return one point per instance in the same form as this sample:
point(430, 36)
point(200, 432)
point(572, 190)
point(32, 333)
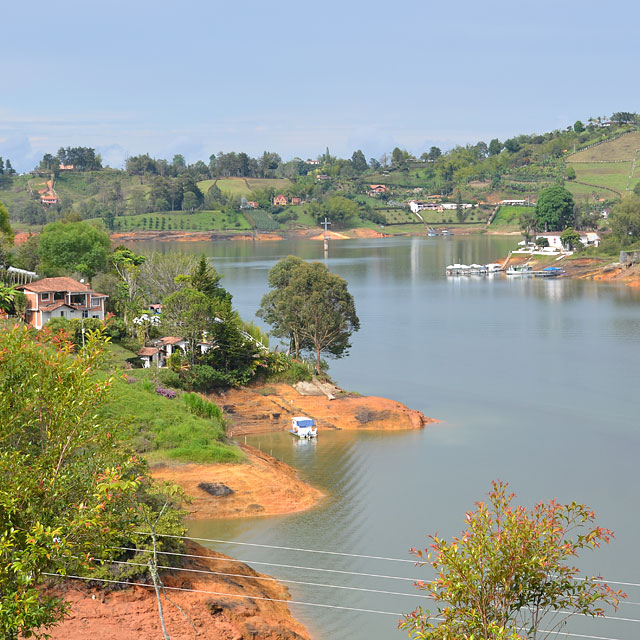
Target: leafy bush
point(202, 377)
point(170, 378)
point(167, 393)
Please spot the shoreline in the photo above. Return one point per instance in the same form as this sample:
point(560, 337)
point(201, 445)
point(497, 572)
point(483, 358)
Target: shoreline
point(263, 485)
point(587, 268)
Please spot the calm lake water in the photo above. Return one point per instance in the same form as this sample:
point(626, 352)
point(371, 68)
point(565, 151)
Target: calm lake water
point(535, 383)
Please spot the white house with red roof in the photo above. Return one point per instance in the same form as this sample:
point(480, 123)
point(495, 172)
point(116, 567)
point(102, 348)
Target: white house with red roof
point(61, 298)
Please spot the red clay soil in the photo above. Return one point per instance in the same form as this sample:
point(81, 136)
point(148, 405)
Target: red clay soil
point(270, 408)
point(262, 486)
point(133, 612)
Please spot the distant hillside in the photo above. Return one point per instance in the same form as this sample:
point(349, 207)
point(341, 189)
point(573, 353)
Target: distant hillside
point(622, 148)
point(610, 165)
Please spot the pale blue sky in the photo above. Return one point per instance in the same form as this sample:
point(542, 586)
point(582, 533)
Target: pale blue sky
point(200, 76)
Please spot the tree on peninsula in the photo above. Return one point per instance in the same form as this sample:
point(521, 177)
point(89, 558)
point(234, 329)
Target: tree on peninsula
point(555, 209)
point(311, 307)
point(509, 575)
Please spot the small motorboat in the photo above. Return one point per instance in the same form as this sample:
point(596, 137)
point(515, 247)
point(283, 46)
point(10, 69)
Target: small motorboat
point(303, 427)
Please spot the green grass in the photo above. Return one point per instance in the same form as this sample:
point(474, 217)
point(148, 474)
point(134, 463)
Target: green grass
point(164, 429)
point(399, 216)
point(509, 216)
point(263, 220)
point(582, 192)
point(614, 175)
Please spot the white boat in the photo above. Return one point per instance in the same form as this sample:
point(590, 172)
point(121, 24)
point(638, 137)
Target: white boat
point(493, 267)
point(524, 270)
point(303, 427)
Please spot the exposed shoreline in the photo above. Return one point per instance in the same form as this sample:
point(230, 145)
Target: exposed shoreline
point(264, 486)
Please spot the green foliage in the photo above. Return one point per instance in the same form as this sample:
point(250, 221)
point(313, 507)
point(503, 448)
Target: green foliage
point(570, 173)
point(201, 406)
point(63, 474)
point(510, 572)
point(5, 227)
point(206, 279)
point(311, 306)
point(625, 219)
point(555, 208)
point(570, 239)
point(67, 247)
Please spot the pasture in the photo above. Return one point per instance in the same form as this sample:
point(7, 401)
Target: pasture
point(243, 187)
point(622, 148)
point(510, 216)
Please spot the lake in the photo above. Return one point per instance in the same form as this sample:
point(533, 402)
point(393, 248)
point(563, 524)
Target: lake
point(534, 382)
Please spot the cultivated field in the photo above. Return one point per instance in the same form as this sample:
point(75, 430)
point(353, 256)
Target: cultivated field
point(244, 186)
point(199, 221)
point(623, 148)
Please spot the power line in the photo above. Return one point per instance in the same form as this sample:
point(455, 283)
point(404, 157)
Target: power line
point(269, 564)
point(352, 555)
point(241, 575)
point(271, 546)
point(309, 604)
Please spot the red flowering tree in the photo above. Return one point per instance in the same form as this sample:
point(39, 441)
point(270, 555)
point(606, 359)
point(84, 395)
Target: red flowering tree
point(510, 574)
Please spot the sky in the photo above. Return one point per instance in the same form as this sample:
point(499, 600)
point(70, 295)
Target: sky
point(201, 76)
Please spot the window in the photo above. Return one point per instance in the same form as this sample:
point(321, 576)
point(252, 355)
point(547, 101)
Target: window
point(62, 314)
point(44, 296)
point(85, 314)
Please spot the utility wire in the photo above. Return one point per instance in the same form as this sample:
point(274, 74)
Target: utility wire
point(241, 575)
point(351, 555)
point(309, 604)
point(271, 546)
point(269, 564)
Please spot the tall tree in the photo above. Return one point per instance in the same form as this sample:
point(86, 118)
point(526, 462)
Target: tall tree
point(311, 305)
point(555, 208)
point(206, 279)
point(359, 162)
point(510, 573)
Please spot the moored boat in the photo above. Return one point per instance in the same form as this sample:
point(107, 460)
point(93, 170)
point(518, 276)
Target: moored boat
point(303, 427)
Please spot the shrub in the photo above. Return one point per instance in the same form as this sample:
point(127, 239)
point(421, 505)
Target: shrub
point(167, 393)
point(202, 377)
point(170, 378)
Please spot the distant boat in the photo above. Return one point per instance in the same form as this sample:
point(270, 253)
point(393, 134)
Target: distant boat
point(520, 270)
point(432, 233)
point(303, 427)
point(446, 232)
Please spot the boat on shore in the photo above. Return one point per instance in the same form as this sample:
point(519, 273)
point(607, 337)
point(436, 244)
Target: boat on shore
point(303, 427)
point(473, 269)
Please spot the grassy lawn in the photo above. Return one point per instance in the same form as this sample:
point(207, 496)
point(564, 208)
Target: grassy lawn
point(162, 428)
point(399, 216)
point(509, 216)
point(609, 174)
point(582, 192)
point(198, 221)
point(622, 148)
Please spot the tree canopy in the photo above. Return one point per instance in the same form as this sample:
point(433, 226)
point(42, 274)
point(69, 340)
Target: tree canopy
point(310, 306)
point(67, 247)
point(555, 208)
point(510, 574)
point(625, 219)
